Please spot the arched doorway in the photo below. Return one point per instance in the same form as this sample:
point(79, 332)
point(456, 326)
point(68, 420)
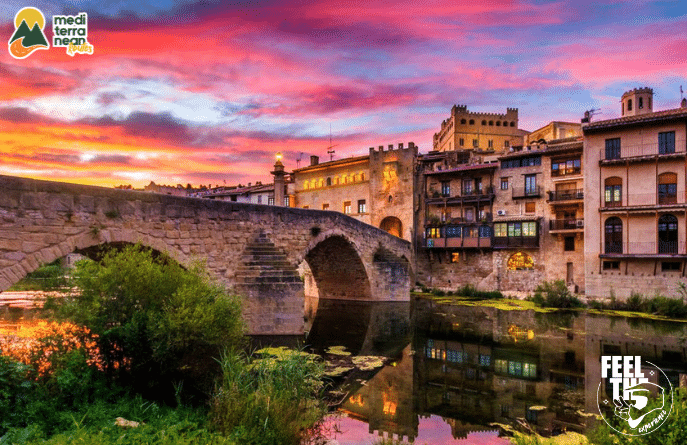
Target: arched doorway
point(392, 225)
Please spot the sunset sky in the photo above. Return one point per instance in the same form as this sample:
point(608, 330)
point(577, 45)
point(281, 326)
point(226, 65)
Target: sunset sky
point(207, 93)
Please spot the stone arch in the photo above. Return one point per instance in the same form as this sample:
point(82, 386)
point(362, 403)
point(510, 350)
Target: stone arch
point(337, 267)
point(392, 225)
point(29, 262)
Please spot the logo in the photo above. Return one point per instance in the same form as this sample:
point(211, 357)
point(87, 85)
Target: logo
point(28, 35)
point(71, 32)
point(632, 395)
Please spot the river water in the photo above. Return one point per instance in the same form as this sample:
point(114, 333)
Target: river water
point(457, 370)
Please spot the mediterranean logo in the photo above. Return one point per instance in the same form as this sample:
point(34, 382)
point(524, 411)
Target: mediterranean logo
point(69, 31)
point(630, 399)
point(28, 35)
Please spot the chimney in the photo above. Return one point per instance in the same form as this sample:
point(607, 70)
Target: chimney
point(314, 160)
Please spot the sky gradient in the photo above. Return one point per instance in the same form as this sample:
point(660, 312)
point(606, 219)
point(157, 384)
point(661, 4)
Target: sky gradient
point(207, 93)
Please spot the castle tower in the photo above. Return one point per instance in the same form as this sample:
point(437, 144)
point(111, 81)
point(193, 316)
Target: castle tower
point(636, 102)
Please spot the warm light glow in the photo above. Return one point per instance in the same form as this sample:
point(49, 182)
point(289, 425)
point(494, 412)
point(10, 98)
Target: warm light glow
point(278, 156)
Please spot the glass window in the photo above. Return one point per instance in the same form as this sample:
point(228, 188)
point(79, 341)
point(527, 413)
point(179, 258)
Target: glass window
point(467, 186)
point(613, 148)
point(529, 228)
point(362, 207)
point(446, 188)
point(614, 235)
point(612, 192)
point(325, 206)
point(531, 184)
point(287, 201)
point(504, 183)
point(666, 142)
point(667, 234)
point(270, 200)
point(500, 230)
point(347, 207)
point(667, 188)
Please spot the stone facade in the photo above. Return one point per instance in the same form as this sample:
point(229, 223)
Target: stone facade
point(376, 189)
point(504, 222)
point(635, 200)
point(487, 132)
point(254, 248)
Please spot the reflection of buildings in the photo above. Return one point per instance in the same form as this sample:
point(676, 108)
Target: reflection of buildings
point(636, 203)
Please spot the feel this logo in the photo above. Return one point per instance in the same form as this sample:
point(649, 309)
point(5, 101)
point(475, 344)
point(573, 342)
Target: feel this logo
point(28, 35)
point(632, 396)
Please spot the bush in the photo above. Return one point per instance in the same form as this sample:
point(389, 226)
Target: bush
point(156, 323)
point(270, 400)
point(470, 291)
point(48, 277)
point(555, 294)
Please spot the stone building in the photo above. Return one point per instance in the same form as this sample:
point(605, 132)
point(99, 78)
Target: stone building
point(376, 189)
point(635, 204)
point(504, 222)
point(486, 132)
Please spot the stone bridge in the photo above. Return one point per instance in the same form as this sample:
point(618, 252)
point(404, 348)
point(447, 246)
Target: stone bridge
point(254, 249)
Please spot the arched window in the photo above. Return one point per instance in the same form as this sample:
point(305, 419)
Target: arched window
point(667, 188)
point(629, 105)
point(613, 192)
point(484, 122)
point(498, 123)
point(462, 121)
point(512, 124)
point(520, 261)
point(614, 235)
point(491, 123)
point(472, 122)
point(667, 234)
point(329, 181)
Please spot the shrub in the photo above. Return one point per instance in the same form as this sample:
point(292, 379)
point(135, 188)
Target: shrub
point(555, 294)
point(156, 322)
point(48, 277)
point(270, 400)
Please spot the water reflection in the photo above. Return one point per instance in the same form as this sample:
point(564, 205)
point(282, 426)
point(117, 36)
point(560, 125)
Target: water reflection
point(472, 367)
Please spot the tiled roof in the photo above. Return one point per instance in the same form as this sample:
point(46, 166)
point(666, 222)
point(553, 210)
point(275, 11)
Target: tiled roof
point(657, 116)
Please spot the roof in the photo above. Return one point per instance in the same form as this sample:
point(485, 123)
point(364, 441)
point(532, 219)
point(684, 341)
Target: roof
point(658, 116)
point(464, 168)
point(337, 163)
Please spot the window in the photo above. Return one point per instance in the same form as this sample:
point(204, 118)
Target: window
point(566, 167)
point(453, 231)
point(640, 102)
point(670, 265)
point(501, 366)
point(433, 232)
point(306, 207)
point(490, 143)
point(504, 183)
point(613, 148)
point(629, 105)
point(611, 265)
point(475, 143)
point(467, 186)
point(491, 123)
point(612, 192)
point(520, 261)
point(259, 199)
point(362, 207)
point(484, 122)
point(531, 185)
point(287, 201)
point(270, 200)
point(530, 207)
point(506, 144)
point(446, 188)
point(569, 244)
point(529, 161)
point(329, 181)
point(461, 141)
point(666, 142)
point(472, 122)
point(667, 234)
point(455, 257)
point(484, 360)
point(347, 207)
point(614, 235)
point(667, 188)
point(325, 206)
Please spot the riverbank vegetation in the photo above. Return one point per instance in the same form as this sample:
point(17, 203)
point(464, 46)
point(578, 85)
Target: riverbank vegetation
point(150, 352)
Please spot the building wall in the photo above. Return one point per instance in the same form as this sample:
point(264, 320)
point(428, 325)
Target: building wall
point(640, 266)
point(485, 127)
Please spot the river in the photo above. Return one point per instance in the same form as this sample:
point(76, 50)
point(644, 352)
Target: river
point(457, 371)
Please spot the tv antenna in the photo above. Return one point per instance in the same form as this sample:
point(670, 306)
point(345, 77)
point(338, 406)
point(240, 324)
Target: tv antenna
point(330, 149)
point(589, 113)
point(298, 160)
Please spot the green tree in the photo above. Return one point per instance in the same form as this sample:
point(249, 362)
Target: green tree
point(158, 324)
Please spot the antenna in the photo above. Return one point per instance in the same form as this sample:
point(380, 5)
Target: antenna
point(681, 92)
point(589, 113)
point(298, 160)
point(331, 152)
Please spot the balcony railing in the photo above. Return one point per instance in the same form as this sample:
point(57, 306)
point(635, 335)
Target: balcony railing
point(485, 191)
point(648, 199)
point(566, 195)
point(458, 242)
point(516, 241)
point(640, 150)
point(646, 248)
point(566, 224)
point(566, 171)
point(526, 192)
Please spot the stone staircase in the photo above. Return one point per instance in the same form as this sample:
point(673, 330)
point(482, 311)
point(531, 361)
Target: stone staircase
point(263, 262)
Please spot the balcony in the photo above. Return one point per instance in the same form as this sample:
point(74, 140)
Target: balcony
point(639, 152)
point(452, 236)
point(527, 192)
point(504, 242)
point(468, 242)
point(648, 249)
point(647, 201)
point(558, 173)
point(566, 195)
point(485, 194)
point(566, 224)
